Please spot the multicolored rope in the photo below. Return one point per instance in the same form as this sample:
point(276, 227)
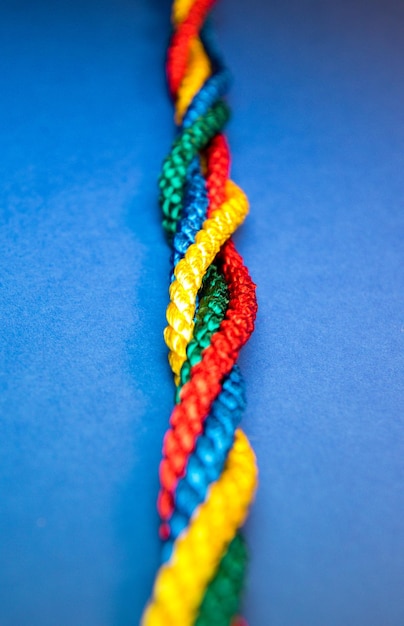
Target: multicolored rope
point(208, 473)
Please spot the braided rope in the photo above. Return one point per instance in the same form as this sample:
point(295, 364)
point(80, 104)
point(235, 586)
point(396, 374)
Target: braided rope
point(208, 472)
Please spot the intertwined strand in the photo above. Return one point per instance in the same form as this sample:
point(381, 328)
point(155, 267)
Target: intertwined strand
point(208, 473)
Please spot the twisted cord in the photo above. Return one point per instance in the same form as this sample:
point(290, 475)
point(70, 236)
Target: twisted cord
point(198, 394)
point(180, 583)
point(189, 271)
point(208, 473)
point(185, 148)
point(222, 595)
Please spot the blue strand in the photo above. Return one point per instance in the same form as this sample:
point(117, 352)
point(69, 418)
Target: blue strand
point(193, 214)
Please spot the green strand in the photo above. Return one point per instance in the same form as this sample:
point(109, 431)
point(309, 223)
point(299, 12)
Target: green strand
point(213, 302)
point(222, 598)
point(191, 141)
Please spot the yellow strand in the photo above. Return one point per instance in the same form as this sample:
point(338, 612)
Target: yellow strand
point(181, 583)
point(190, 271)
point(180, 10)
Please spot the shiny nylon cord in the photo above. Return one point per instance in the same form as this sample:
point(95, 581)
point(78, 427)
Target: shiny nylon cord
point(208, 473)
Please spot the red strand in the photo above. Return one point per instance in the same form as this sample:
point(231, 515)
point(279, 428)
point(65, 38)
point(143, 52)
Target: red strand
point(178, 52)
point(218, 170)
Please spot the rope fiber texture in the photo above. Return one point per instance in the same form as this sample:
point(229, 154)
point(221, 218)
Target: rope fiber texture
point(208, 473)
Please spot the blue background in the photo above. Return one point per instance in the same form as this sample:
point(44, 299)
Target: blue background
point(317, 139)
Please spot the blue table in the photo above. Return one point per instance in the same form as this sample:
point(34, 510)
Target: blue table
point(317, 140)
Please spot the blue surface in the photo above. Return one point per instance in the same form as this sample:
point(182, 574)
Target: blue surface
point(317, 139)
